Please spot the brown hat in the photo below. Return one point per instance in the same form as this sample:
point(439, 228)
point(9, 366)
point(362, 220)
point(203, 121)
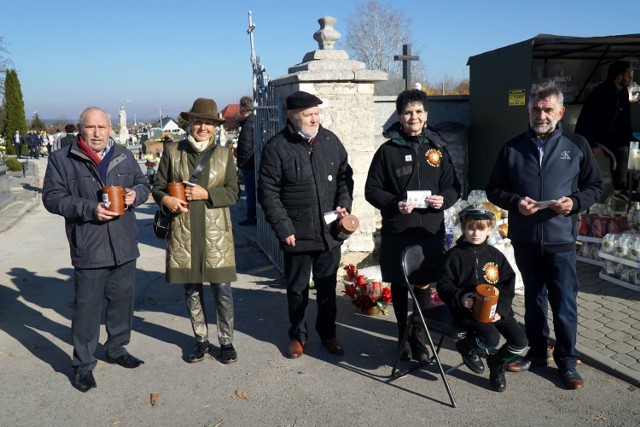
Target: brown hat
point(69, 128)
point(204, 108)
point(302, 99)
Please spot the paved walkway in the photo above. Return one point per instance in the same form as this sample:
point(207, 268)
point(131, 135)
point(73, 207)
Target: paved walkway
point(264, 387)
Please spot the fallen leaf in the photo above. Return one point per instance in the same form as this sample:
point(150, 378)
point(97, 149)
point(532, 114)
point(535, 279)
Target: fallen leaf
point(242, 394)
point(153, 399)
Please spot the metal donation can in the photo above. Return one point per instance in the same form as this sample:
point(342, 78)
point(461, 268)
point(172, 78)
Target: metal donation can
point(113, 199)
point(486, 303)
point(347, 225)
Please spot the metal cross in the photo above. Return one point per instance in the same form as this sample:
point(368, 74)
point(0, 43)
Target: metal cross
point(406, 59)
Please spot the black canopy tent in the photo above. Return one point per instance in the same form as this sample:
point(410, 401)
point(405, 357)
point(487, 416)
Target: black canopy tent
point(500, 82)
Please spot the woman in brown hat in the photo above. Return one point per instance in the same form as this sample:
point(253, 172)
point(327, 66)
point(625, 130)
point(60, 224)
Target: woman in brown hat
point(200, 244)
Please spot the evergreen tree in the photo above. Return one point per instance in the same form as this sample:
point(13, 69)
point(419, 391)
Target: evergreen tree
point(13, 106)
point(37, 123)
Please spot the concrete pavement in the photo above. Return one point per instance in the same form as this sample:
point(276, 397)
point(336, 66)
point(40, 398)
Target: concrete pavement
point(264, 387)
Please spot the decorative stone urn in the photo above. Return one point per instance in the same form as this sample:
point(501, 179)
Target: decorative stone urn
point(326, 36)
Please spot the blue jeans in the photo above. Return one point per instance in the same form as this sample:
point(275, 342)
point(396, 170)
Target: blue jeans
point(552, 277)
point(249, 179)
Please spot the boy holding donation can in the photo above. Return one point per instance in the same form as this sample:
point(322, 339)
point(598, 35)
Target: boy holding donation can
point(474, 262)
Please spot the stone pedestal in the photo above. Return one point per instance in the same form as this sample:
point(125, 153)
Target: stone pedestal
point(346, 89)
point(5, 196)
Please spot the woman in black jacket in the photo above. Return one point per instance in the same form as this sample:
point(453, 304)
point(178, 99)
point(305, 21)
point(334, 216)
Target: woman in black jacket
point(411, 181)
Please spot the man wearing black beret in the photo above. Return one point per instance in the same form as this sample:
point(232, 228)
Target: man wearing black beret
point(304, 175)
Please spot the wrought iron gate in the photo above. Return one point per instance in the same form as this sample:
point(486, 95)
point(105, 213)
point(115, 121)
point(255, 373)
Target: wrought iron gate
point(269, 120)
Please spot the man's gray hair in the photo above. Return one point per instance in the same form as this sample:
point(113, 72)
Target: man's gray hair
point(545, 90)
point(81, 118)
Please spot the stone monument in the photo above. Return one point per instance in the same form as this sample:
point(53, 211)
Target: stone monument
point(123, 135)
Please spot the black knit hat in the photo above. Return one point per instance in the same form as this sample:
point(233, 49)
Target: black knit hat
point(302, 99)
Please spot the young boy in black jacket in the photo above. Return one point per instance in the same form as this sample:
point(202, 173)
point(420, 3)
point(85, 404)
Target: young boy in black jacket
point(470, 263)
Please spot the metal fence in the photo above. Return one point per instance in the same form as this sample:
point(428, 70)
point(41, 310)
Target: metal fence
point(269, 120)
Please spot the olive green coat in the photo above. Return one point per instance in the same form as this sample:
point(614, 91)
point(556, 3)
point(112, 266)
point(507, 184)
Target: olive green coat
point(200, 243)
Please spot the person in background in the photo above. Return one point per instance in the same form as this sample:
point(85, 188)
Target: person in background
point(414, 160)
point(472, 262)
point(303, 176)
point(245, 159)
point(605, 120)
point(18, 142)
point(103, 244)
point(544, 177)
point(70, 136)
point(34, 142)
point(200, 244)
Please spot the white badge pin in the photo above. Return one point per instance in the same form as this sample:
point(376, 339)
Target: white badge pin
point(330, 178)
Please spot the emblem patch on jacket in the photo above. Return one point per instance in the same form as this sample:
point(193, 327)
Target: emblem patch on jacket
point(434, 157)
point(565, 155)
point(491, 273)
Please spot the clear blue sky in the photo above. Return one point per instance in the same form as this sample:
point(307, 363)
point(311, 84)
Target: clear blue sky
point(163, 54)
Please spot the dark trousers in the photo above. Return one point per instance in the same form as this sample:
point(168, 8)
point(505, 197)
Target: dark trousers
point(550, 277)
point(18, 149)
point(92, 286)
point(489, 333)
point(249, 180)
point(297, 270)
point(619, 175)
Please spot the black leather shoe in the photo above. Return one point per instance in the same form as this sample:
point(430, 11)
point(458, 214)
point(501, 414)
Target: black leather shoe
point(572, 379)
point(417, 339)
point(229, 354)
point(202, 348)
point(497, 376)
point(470, 356)
point(84, 381)
point(126, 361)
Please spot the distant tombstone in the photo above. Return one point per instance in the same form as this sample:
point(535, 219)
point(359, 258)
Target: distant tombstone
point(388, 88)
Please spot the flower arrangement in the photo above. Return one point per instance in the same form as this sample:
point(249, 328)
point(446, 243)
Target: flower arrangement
point(366, 294)
point(150, 161)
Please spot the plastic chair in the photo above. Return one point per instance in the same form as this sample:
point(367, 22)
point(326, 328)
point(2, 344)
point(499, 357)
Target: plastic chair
point(437, 319)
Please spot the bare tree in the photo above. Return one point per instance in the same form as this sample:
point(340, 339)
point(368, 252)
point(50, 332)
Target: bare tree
point(447, 86)
point(375, 33)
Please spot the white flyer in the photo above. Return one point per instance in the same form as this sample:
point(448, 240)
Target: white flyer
point(545, 204)
point(418, 198)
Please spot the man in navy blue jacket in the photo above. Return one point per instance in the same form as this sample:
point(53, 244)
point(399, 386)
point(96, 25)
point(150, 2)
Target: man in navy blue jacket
point(103, 244)
point(544, 177)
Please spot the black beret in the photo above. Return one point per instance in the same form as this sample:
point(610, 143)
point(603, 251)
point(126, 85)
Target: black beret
point(302, 99)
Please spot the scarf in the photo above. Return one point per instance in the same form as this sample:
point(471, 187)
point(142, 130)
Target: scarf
point(200, 146)
point(87, 151)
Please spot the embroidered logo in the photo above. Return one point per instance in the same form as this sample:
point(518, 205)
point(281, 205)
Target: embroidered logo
point(491, 273)
point(434, 157)
point(565, 155)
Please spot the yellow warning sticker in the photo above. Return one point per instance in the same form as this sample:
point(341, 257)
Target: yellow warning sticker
point(516, 97)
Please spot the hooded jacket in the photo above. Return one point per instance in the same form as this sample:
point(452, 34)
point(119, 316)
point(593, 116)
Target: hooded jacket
point(72, 189)
point(399, 166)
point(298, 183)
point(467, 265)
point(568, 168)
